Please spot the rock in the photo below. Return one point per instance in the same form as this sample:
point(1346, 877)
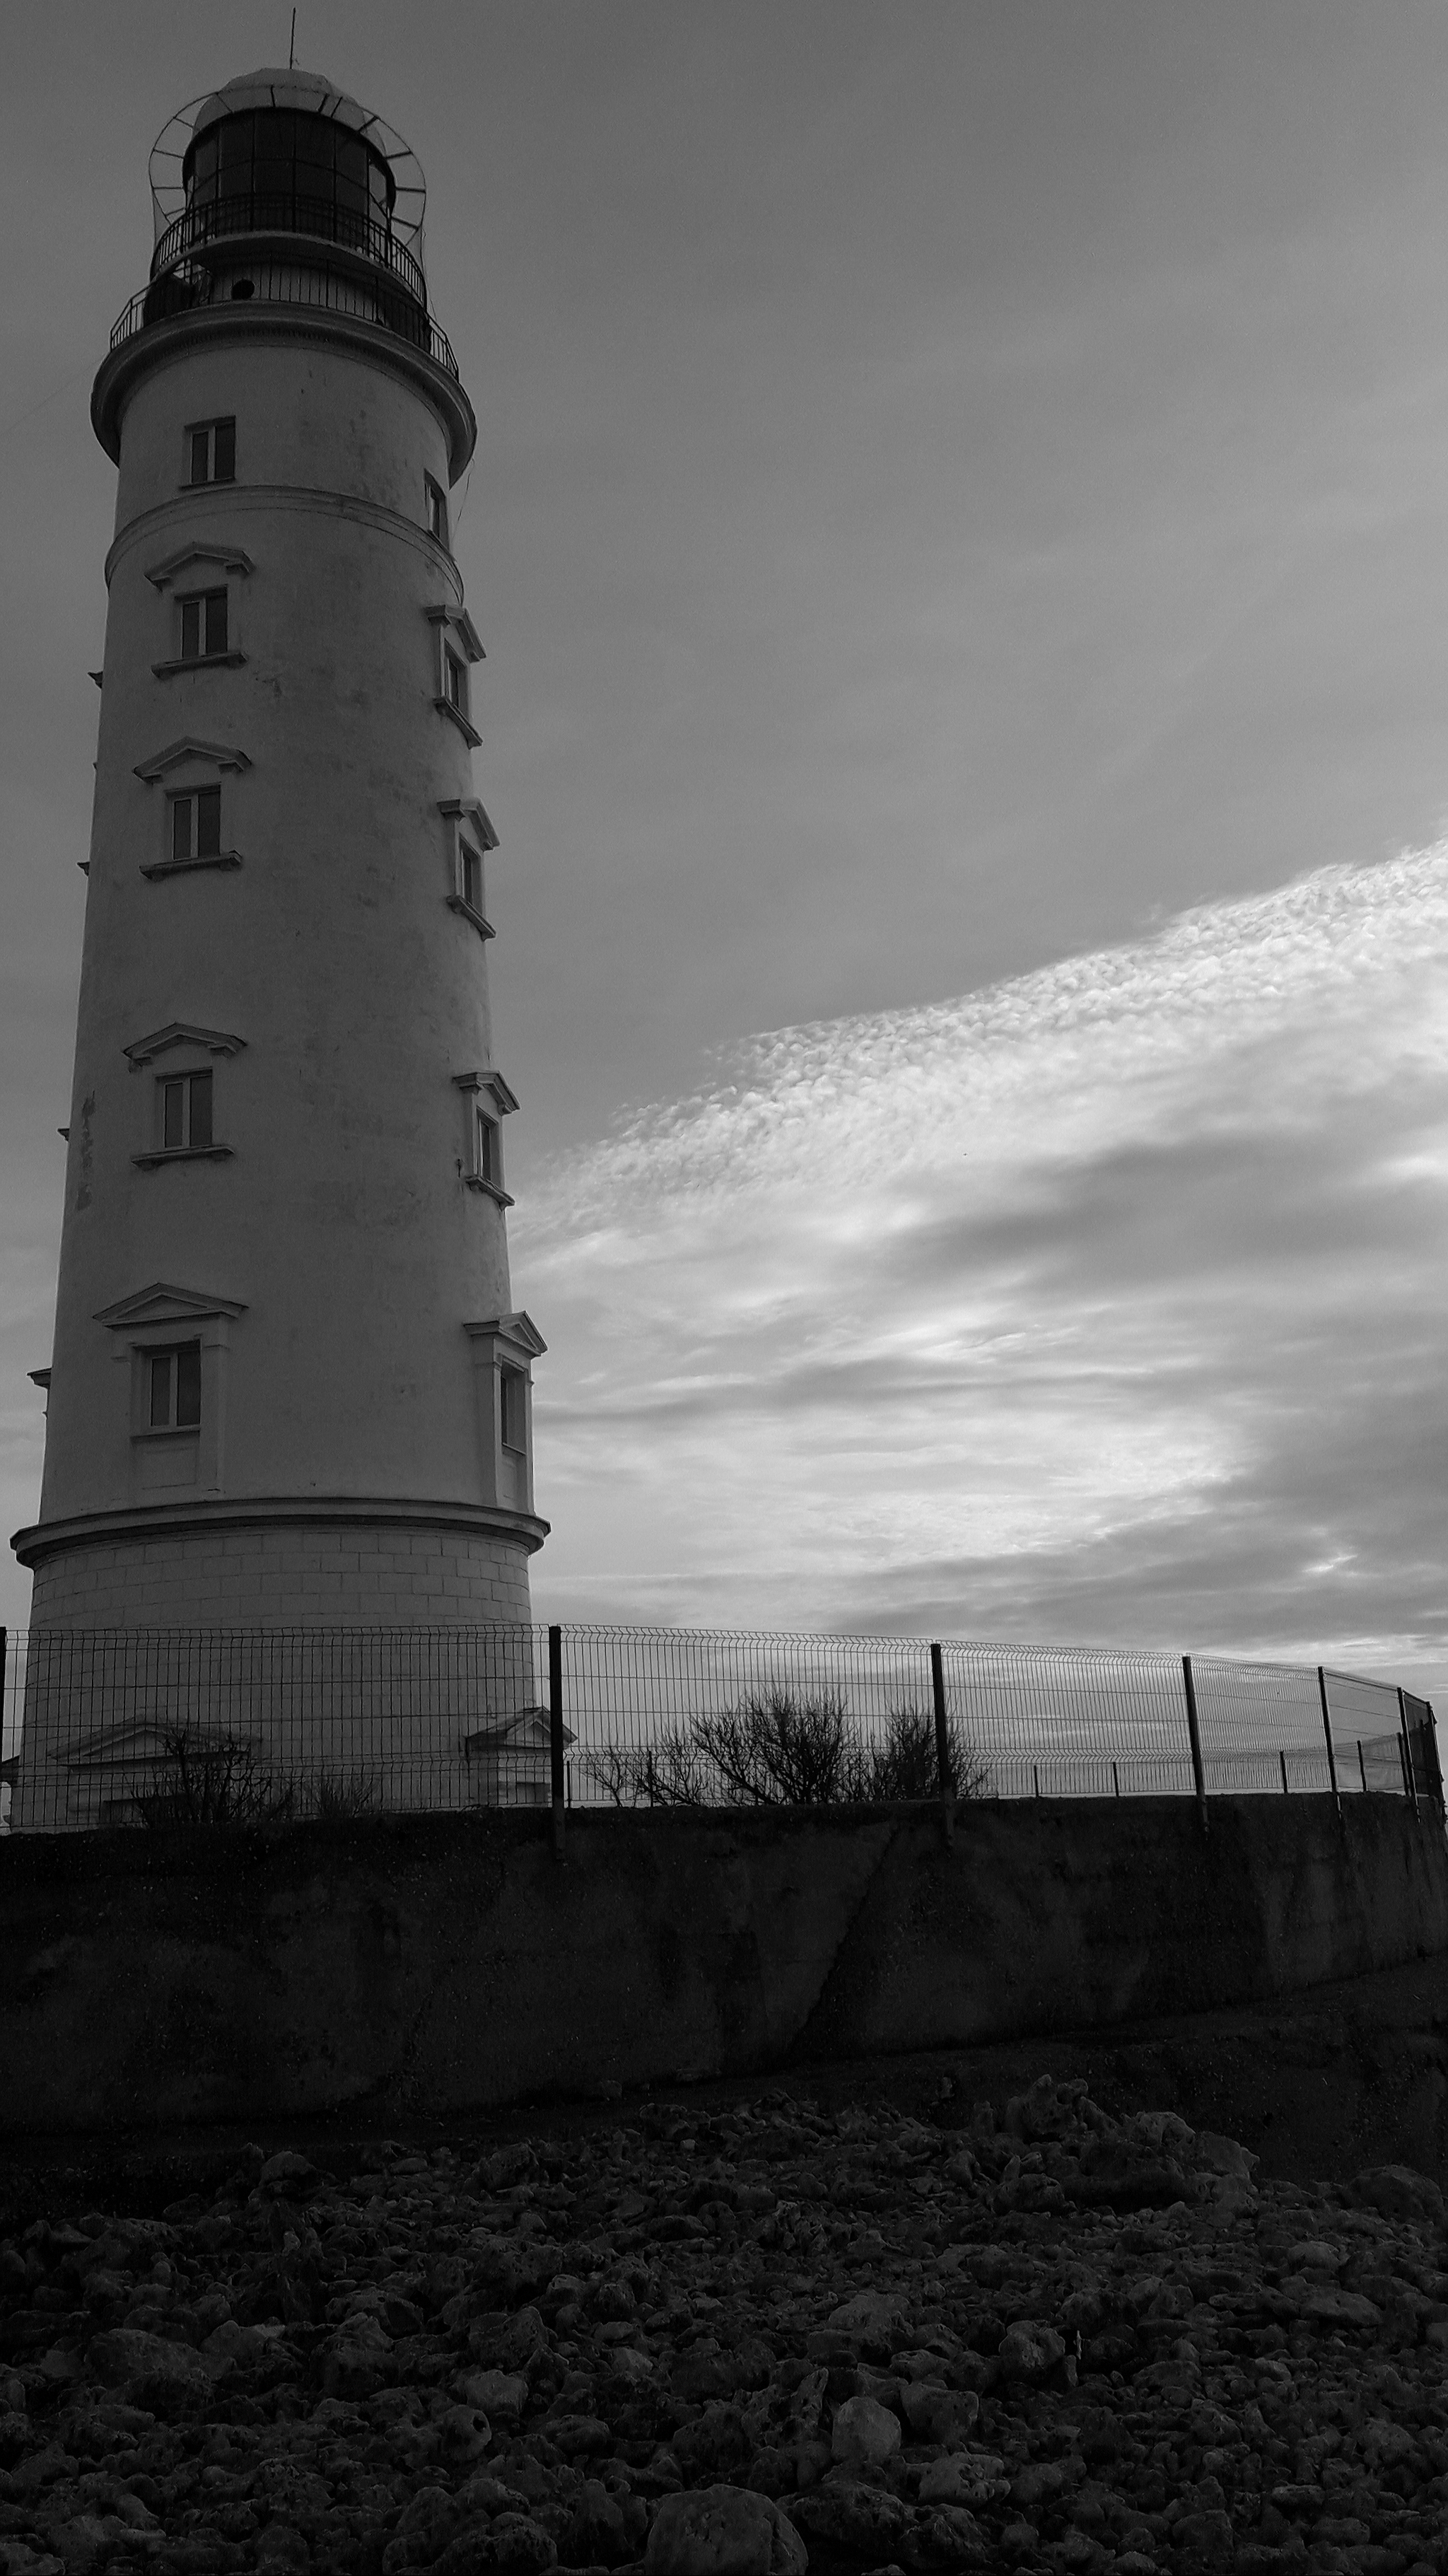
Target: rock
point(290, 2174)
point(697, 2377)
point(1044, 2483)
point(501, 2395)
point(846, 2514)
point(1397, 2191)
point(1203, 2540)
point(515, 2544)
point(426, 2525)
point(503, 2168)
point(1225, 2156)
point(964, 2478)
point(356, 2362)
point(1028, 2351)
point(511, 2271)
point(153, 2373)
point(1120, 2173)
point(864, 2433)
point(713, 2444)
point(724, 2531)
point(596, 2537)
point(946, 2537)
point(1336, 2307)
point(874, 2323)
point(944, 2416)
point(465, 2436)
point(579, 2437)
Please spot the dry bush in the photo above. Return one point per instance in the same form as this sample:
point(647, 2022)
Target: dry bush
point(206, 1779)
point(776, 1750)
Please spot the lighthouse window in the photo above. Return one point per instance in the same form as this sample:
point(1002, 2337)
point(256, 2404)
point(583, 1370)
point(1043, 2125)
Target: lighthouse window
point(175, 1388)
point(456, 676)
point(437, 510)
point(490, 1151)
point(514, 1408)
point(186, 1113)
point(203, 626)
point(472, 877)
point(196, 824)
point(212, 447)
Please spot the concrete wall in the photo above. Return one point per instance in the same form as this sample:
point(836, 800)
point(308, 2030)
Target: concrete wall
point(452, 1964)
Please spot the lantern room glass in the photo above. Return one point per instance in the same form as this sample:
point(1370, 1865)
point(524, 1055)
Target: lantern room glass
point(297, 172)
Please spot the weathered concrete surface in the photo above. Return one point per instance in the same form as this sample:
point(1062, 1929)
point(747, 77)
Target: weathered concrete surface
point(428, 1966)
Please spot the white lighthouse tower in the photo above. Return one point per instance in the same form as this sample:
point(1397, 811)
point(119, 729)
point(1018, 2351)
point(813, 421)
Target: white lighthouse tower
point(287, 1385)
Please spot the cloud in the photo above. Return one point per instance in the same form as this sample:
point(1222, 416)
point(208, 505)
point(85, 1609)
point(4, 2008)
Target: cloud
point(1104, 1304)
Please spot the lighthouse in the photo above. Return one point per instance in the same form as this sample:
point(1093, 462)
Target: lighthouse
point(288, 1384)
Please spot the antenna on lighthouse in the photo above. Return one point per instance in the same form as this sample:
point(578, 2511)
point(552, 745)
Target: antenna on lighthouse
point(292, 51)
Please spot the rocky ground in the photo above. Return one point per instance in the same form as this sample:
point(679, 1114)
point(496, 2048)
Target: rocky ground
point(740, 2339)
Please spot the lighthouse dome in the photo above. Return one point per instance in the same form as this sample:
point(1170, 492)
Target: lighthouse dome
point(308, 93)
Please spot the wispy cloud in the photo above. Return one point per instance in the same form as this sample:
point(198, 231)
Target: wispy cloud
point(1104, 1303)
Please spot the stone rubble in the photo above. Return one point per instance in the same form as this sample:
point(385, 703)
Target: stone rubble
point(746, 2341)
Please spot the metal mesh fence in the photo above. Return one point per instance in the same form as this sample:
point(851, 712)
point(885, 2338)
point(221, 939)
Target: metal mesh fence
point(147, 1726)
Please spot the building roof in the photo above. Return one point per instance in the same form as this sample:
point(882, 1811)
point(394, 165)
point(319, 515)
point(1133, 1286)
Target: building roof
point(310, 93)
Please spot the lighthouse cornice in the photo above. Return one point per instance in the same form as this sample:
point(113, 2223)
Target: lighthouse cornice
point(227, 501)
point(137, 346)
point(102, 1529)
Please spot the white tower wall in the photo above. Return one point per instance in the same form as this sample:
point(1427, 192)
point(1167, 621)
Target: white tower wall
point(337, 1245)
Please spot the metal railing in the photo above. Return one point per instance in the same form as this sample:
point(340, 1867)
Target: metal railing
point(146, 1726)
point(315, 286)
point(283, 211)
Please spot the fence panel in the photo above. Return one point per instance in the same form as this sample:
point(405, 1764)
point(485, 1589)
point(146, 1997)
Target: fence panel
point(140, 1726)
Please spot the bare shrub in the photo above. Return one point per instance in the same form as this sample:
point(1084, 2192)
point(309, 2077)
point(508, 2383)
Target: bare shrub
point(776, 1750)
point(338, 1797)
point(205, 1779)
point(904, 1764)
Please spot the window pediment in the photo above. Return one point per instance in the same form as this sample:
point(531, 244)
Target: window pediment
point(195, 558)
point(460, 625)
point(518, 1329)
point(163, 1303)
point(181, 1033)
point(491, 1087)
point(466, 809)
point(213, 755)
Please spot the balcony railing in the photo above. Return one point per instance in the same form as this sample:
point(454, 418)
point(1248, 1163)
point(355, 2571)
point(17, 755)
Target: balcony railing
point(284, 212)
point(190, 288)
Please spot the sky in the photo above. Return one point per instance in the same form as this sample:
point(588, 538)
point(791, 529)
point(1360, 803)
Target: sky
point(960, 534)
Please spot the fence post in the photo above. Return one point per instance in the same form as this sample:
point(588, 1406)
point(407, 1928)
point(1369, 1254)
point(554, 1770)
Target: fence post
point(1282, 1761)
point(1194, 1731)
point(1362, 1767)
point(1435, 1785)
point(943, 1775)
point(1327, 1731)
point(1410, 1786)
point(555, 1732)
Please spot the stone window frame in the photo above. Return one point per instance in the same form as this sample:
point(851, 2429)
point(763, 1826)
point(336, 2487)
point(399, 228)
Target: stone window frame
point(162, 1318)
point(469, 832)
point(455, 642)
point(435, 507)
point(181, 770)
point(504, 1342)
point(199, 572)
point(191, 481)
point(487, 1101)
point(194, 1042)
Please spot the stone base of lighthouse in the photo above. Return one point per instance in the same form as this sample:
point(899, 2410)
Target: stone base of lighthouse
point(383, 1650)
point(271, 1566)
